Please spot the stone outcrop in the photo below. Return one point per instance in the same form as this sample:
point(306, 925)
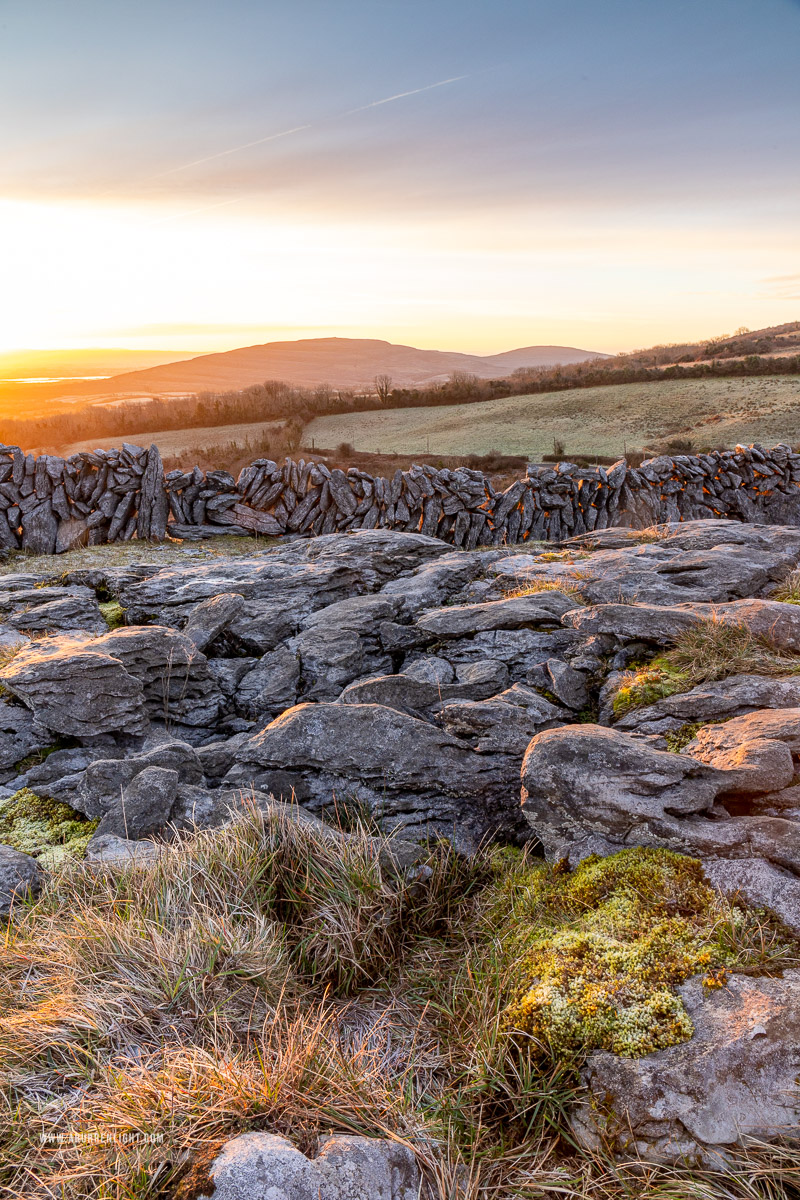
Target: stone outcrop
point(73, 687)
point(588, 790)
point(403, 769)
point(386, 671)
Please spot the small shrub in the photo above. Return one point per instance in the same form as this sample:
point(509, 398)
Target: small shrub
point(646, 685)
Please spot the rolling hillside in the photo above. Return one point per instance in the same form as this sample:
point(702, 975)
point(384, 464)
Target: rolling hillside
point(341, 362)
point(587, 420)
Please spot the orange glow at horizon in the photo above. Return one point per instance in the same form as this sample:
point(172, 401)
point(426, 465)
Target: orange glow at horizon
point(85, 276)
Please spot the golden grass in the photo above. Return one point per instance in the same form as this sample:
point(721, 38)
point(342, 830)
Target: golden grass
point(789, 589)
point(587, 420)
point(532, 586)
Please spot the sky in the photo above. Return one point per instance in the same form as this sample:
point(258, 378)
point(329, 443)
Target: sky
point(461, 174)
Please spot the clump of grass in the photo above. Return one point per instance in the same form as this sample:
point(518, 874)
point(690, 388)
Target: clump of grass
point(715, 649)
point(569, 586)
point(712, 650)
point(601, 950)
point(46, 829)
point(113, 613)
point(532, 586)
point(789, 589)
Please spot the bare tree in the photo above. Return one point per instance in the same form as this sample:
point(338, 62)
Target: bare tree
point(383, 387)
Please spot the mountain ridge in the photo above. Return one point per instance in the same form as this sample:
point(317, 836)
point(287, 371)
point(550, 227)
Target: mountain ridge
point(339, 362)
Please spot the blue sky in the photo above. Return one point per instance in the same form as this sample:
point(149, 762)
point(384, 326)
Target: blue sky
point(639, 151)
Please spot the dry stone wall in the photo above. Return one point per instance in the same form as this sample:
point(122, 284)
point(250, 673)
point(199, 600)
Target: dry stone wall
point(50, 504)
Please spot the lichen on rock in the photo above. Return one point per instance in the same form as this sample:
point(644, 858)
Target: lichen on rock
point(46, 829)
point(599, 952)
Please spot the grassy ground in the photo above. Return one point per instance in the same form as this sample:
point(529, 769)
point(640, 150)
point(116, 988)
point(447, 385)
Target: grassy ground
point(590, 420)
point(175, 442)
point(123, 554)
point(272, 976)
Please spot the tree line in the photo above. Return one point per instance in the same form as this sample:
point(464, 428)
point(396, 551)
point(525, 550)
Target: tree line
point(294, 407)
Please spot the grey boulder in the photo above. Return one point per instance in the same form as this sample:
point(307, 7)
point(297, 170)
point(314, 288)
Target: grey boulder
point(107, 850)
point(208, 619)
point(145, 806)
point(399, 766)
point(760, 884)
point(520, 612)
point(504, 724)
point(19, 735)
point(264, 1166)
point(61, 616)
point(473, 681)
point(104, 780)
point(20, 877)
point(587, 789)
point(271, 685)
point(176, 682)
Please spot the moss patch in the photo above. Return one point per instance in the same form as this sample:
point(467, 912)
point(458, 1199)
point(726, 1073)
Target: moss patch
point(678, 738)
point(648, 684)
point(599, 952)
point(46, 829)
point(113, 613)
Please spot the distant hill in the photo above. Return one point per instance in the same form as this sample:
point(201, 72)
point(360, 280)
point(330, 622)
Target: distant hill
point(341, 362)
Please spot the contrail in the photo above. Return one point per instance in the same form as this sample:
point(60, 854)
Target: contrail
point(402, 95)
point(198, 162)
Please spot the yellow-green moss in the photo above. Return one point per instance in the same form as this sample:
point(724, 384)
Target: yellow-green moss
point(678, 738)
point(46, 829)
point(597, 953)
point(113, 613)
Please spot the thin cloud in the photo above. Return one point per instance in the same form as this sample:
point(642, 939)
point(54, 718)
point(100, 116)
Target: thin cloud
point(782, 287)
point(197, 162)
point(402, 95)
point(272, 137)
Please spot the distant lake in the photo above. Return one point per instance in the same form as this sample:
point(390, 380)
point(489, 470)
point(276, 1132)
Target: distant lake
point(53, 378)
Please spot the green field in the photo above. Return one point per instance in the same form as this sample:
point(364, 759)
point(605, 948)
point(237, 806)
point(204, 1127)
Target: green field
point(713, 412)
